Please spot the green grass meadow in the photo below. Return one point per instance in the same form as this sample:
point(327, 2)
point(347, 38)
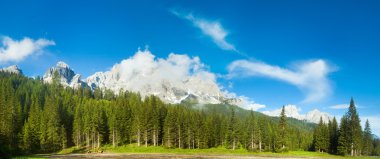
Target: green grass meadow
point(134, 149)
point(219, 151)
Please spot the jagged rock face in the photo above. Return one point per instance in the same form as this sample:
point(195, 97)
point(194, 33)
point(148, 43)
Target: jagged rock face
point(76, 82)
point(12, 69)
point(66, 74)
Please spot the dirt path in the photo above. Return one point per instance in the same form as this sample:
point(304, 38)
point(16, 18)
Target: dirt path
point(157, 156)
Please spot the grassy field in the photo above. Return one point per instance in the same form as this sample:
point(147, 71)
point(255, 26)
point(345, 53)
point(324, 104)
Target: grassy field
point(219, 151)
point(134, 149)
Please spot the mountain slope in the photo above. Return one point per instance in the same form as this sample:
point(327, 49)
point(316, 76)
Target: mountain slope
point(226, 110)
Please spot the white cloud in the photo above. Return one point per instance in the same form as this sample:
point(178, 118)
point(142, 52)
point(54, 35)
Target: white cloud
point(143, 69)
point(339, 106)
point(177, 75)
point(374, 122)
point(310, 76)
point(255, 106)
point(213, 29)
point(243, 101)
point(16, 51)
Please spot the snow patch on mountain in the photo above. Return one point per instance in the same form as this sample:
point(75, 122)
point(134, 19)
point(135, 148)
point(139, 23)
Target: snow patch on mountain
point(294, 112)
point(66, 75)
point(12, 69)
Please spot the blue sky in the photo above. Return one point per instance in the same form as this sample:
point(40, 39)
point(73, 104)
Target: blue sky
point(282, 36)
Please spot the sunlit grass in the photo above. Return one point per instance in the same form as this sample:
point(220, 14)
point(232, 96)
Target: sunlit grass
point(133, 148)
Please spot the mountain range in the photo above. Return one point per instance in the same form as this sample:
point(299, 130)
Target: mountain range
point(193, 88)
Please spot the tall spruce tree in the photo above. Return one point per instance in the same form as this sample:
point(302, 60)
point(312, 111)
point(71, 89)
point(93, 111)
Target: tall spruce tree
point(321, 137)
point(355, 129)
point(169, 128)
point(232, 134)
point(343, 137)
point(350, 132)
point(282, 127)
point(333, 130)
point(367, 139)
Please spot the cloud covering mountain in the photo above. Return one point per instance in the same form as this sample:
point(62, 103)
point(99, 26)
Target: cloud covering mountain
point(294, 112)
point(174, 79)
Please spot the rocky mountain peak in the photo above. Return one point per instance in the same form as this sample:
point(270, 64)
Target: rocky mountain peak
point(12, 69)
point(62, 64)
point(66, 75)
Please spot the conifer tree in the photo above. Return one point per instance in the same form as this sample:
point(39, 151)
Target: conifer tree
point(367, 139)
point(53, 136)
point(333, 130)
point(32, 126)
point(282, 128)
point(355, 130)
point(253, 131)
point(169, 128)
point(343, 138)
point(321, 137)
point(232, 134)
point(63, 137)
point(78, 129)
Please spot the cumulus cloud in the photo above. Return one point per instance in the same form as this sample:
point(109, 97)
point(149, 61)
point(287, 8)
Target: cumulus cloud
point(178, 76)
point(340, 106)
point(213, 29)
point(143, 68)
point(17, 50)
point(310, 76)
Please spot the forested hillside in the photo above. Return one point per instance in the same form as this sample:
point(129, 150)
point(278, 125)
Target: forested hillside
point(41, 118)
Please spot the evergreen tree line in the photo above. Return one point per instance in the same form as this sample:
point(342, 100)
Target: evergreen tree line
point(346, 139)
point(38, 118)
